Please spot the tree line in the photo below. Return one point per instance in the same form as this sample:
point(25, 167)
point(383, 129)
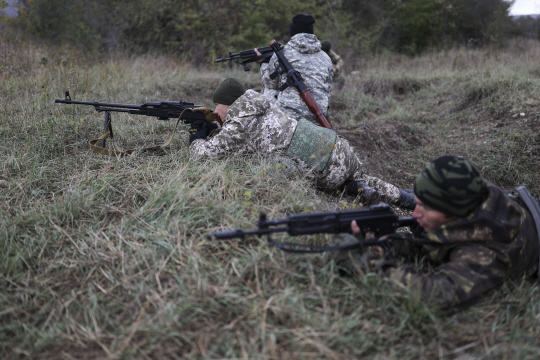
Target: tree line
point(202, 29)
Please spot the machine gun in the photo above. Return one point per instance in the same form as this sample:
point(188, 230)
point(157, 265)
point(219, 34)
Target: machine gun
point(377, 219)
point(248, 56)
point(163, 110)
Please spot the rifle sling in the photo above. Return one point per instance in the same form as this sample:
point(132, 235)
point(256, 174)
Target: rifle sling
point(289, 247)
point(207, 112)
point(384, 243)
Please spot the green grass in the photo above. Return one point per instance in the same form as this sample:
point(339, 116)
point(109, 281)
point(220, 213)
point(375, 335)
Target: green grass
point(108, 258)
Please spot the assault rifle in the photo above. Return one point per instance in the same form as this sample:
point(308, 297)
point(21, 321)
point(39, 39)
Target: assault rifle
point(377, 219)
point(248, 56)
point(293, 78)
point(163, 110)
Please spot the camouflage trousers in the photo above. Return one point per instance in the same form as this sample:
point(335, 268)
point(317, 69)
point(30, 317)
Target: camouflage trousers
point(344, 165)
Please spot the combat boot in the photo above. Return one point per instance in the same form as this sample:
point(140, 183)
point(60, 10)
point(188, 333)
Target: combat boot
point(406, 199)
point(365, 193)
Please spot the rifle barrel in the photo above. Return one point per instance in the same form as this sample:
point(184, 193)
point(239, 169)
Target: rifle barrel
point(225, 59)
point(239, 233)
point(95, 103)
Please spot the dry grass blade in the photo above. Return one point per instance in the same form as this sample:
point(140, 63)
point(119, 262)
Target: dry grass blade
point(108, 258)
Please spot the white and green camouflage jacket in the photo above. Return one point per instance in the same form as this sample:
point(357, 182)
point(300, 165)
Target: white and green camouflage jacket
point(304, 54)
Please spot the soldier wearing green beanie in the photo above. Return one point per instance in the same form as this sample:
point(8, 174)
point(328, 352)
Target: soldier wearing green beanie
point(473, 234)
point(451, 185)
point(226, 94)
point(228, 91)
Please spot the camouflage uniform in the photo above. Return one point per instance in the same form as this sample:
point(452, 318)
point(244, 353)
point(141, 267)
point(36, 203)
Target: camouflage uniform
point(304, 54)
point(472, 255)
point(252, 124)
point(336, 60)
point(339, 81)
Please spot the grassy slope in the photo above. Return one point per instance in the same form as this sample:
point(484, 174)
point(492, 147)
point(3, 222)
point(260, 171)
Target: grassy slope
point(107, 258)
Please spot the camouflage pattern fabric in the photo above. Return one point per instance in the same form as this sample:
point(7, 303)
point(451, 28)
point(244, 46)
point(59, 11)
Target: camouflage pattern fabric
point(312, 144)
point(252, 125)
point(451, 185)
point(471, 255)
point(304, 54)
point(345, 165)
point(338, 81)
point(271, 94)
point(337, 61)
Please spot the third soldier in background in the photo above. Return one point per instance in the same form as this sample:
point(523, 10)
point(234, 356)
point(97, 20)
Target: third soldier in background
point(339, 81)
point(304, 53)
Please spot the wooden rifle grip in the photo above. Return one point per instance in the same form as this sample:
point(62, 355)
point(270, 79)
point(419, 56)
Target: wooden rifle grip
point(216, 118)
point(314, 108)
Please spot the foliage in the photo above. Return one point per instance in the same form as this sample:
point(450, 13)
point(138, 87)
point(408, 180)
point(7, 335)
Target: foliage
point(423, 24)
point(207, 29)
point(199, 29)
point(527, 26)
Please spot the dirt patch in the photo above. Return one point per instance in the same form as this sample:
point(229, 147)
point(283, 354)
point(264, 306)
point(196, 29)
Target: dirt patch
point(382, 147)
point(374, 137)
point(396, 87)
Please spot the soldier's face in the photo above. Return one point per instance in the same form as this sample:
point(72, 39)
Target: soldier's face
point(221, 110)
point(429, 218)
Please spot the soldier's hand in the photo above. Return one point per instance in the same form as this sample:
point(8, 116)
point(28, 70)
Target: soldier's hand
point(262, 60)
point(354, 227)
point(375, 250)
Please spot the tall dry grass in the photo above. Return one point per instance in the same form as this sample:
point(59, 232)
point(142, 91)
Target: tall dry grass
point(107, 258)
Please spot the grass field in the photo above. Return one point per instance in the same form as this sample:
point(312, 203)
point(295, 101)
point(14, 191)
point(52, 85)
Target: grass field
point(105, 258)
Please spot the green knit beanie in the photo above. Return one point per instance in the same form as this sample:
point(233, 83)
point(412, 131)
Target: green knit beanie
point(451, 185)
point(325, 46)
point(228, 91)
